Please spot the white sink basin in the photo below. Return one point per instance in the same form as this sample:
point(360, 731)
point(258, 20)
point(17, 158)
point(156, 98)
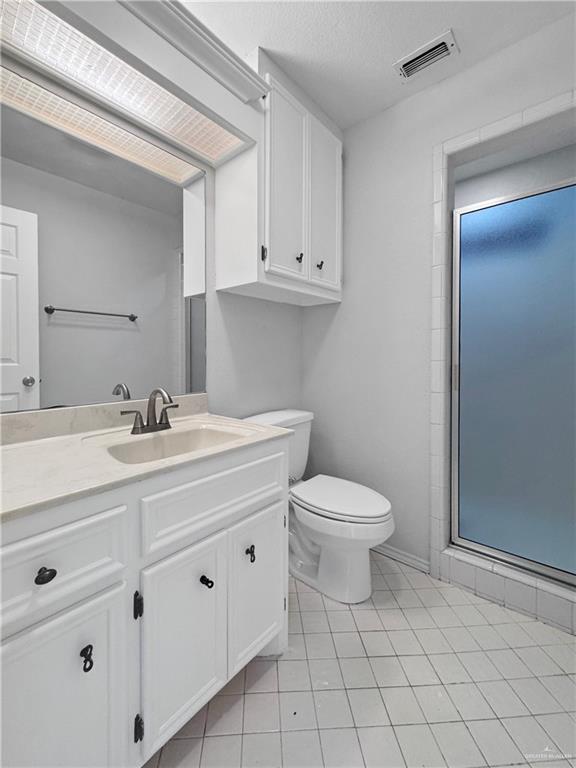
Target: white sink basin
point(162, 445)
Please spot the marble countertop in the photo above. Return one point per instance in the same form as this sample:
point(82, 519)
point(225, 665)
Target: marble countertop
point(40, 473)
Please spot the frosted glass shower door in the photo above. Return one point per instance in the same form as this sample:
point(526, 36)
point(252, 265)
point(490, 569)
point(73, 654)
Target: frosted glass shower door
point(515, 411)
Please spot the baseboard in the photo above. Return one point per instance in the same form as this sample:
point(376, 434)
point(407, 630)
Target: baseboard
point(404, 557)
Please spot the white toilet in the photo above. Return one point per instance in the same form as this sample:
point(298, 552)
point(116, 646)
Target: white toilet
point(333, 522)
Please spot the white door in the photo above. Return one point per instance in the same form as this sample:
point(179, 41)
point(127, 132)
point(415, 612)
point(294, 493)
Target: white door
point(325, 206)
point(256, 591)
point(63, 686)
point(19, 352)
point(183, 637)
point(286, 188)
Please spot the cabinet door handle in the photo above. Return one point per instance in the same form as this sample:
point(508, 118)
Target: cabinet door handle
point(320, 265)
point(206, 581)
point(252, 552)
point(86, 654)
point(299, 258)
point(45, 575)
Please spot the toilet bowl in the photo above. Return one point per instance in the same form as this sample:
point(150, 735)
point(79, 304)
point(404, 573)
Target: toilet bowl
point(333, 522)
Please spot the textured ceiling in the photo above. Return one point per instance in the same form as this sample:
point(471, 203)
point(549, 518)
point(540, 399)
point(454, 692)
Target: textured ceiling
point(341, 53)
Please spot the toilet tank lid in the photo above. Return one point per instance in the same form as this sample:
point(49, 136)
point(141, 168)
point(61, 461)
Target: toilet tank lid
point(284, 418)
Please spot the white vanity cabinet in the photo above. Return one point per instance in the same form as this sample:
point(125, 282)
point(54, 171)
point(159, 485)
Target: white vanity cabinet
point(151, 596)
point(278, 210)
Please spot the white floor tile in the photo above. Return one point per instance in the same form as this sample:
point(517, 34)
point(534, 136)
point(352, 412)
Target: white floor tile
point(320, 646)
point(469, 615)
point(479, 666)
point(261, 713)
point(495, 742)
point(294, 623)
point(314, 621)
point(377, 643)
point(402, 706)
point(225, 715)
point(297, 711)
point(357, 673)
point(418, 670)
point(388, 671)
point(508, 664)
point(515, 635)
point(296, 649)
point(563, 689)
point(494, 614)
point(419, 746)
point(334, 605)
point(445, 617)
point(341, 749)
point(397, 581)
point(469, 701)
point(436, 704)
point(293, 676)
point(384, 599)
point(405, 642)
point(502, 699)
point(310, 601)
point(181, 753)
point(221, 752)
point(408, 598)
point(449, 668)
point(564, 656)
point(341, 621)
point(544, 634)
point(325, 674)
point(562, 729)
point(460, 639)
point(367, 620)
point(367, 707)
point(236, 685)
point(380, 748)
point(349, 645)
point(433, 641)
point(332, 709)
point(301, 749)
point(538, 662)
point(419, 618)
point(393, 619)
point(487, 638)
point(430, 597)
point(261, 750)
point(195, 726)
point(457, 745)
point(531, 739)
point(534, 696)
point(261, 677)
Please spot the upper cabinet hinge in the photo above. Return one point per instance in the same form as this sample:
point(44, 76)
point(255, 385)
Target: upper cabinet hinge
point(264, 253)
point(138, 728)
point(138, 606)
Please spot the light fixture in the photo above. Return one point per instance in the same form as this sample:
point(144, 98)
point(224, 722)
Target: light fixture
point(37, 102)
point(30, 31)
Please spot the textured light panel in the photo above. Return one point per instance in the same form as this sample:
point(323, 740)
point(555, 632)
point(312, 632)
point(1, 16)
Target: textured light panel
point(42, 37)
point(37, 102)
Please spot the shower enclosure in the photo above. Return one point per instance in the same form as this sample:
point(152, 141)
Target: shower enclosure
point(514, 380)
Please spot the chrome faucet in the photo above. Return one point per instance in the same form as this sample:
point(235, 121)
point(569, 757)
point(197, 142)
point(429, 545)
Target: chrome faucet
point(152, 423)
point(122, 389)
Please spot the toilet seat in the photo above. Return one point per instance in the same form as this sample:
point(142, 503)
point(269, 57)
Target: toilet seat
point(341, 500)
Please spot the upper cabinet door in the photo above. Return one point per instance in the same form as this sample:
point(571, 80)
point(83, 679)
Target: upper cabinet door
point(63, 689)
point(287, 172)
point(183, 637)
point(325, 206)
point(256, 594)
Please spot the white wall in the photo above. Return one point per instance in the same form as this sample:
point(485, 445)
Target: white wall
point(99, 252)
point(366, 363)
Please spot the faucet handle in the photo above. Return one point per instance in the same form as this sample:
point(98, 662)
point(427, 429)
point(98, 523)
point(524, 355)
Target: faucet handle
point(138, 426)
point(164, 415)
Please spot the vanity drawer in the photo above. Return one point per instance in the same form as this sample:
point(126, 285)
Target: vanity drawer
point(177, 516)
point(45, 573)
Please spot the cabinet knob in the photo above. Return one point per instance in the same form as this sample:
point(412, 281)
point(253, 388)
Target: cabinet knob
point(45, 575)
point(86, 655)
point(299, 258)
point(206, 581)
point(252, 552)
point(320, 265)
point(28, 381)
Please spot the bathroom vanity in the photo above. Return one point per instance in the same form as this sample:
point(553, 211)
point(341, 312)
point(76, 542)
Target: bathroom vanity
point(140, 573)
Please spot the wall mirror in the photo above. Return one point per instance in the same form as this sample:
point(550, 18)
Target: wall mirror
point(102, 223)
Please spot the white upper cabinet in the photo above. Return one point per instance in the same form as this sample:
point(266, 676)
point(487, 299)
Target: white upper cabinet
point(278, 210)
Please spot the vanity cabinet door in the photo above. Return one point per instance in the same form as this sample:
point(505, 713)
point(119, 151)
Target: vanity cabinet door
point(257, 565)
point(183, 637)
point(63, 686)
point(287, 180)
point(325, 206)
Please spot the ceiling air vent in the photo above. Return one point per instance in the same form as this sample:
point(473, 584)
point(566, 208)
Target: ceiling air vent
point(435, 50)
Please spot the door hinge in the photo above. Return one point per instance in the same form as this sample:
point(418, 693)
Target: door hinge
point(138, 607)
point(263, 253)
point(284, 521)
point(138, 728)
point(284, 603)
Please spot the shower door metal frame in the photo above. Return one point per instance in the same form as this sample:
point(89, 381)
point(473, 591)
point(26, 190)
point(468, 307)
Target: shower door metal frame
point(456, 539)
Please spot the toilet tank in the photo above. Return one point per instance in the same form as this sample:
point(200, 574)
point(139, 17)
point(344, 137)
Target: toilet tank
point(300, 422)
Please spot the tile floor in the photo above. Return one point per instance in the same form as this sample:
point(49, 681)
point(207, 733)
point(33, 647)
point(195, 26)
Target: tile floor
point(422, 674)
